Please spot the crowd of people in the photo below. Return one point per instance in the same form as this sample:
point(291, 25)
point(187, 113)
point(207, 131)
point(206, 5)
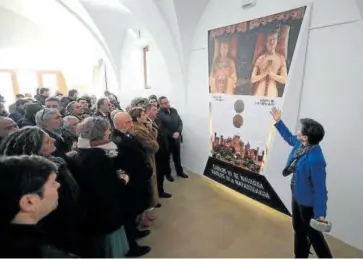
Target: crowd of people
point(81, 177)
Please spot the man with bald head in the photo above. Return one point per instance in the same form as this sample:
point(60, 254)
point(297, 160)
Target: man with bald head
point(132, 159)
point(122, 122)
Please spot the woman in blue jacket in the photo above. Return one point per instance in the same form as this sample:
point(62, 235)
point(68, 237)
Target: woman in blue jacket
point(307, 165)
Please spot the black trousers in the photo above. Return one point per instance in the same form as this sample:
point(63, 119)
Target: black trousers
point(305, 236)
point(174, 147)
point(162, 168)
point(131, 231)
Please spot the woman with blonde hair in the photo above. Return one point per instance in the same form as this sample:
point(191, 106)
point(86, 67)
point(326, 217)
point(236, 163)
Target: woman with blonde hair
point(143, 131)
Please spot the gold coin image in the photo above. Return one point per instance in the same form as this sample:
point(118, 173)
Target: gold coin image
point(238, 121)
point(239, 106)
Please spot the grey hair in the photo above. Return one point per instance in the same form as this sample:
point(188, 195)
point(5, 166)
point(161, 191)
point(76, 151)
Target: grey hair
point(93, 128)
point(44, 115)
point(136, 112)
point(136, 101)
point(67, 119)
point(26, 141)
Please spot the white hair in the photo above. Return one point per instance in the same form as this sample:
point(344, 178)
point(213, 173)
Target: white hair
point(67, 119)
point(93, 128)
point(44, 115)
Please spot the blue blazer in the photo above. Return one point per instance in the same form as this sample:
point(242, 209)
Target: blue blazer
point(310, 175)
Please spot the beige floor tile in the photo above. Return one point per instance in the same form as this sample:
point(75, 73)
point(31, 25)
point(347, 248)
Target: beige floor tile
point(204, 219)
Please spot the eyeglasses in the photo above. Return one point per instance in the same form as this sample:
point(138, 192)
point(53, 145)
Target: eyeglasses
point(42, 117)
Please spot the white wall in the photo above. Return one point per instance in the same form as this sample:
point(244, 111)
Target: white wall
point(132, 71)
point(149, 16)
point(26, 45)
point(332, 94)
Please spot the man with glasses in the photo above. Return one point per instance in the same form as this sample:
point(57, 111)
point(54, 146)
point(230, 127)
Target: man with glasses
point(173, 125)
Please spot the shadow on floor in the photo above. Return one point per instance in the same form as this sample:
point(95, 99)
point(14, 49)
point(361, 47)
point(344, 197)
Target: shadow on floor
point(206, 220)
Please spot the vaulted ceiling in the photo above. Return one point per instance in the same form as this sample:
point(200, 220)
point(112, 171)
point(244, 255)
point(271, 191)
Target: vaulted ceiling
point(172, 23)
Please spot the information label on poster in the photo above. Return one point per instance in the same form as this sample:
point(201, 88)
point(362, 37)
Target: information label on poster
point(250, 184)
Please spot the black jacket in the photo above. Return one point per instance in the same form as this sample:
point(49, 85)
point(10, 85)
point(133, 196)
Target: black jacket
point(28, 241)
point(26, 122)
point(170, 120)
point(64, 226)
point(163, 139)
point(40, 98)
point(132, 159)
point(29, 117)
point(17, 115)
point(102, 191)
point(107, 117)
point(69, 138)
point(61, 145)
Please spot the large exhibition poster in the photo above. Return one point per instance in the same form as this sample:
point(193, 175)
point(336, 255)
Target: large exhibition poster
point(249, 65)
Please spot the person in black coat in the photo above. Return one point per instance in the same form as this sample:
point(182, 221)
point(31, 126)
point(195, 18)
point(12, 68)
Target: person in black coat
point(19, 112)
point(103, 189)
point(173, 126)
point(131, 158)
point(42, 95)
point(103, 109)
point(63, 226)
point(31, 190)
point(69, 130)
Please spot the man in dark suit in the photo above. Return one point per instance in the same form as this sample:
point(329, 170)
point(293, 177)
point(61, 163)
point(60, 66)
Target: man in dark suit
point(131, 158)
point(173, 126)
point(42, 95)
point(103, 110)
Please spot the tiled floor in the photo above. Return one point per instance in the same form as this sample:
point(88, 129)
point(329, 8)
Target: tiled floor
point(206, 220)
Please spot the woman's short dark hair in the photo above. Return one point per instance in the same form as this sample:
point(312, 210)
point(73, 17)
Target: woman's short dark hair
point(21, 175)
point(136, 113)
point(313, 130)
point(26, 141)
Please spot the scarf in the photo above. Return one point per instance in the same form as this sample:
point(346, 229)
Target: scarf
point(108, 146)
point(302, 150)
